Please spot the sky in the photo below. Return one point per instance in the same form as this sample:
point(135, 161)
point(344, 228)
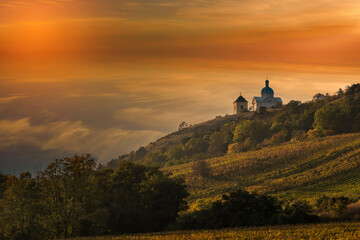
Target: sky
point(108, 76)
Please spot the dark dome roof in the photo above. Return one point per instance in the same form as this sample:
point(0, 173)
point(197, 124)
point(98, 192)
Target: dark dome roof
point(240, 99)
point(267, 90)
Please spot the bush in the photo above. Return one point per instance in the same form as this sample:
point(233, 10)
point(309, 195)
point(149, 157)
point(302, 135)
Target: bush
point(299, 135)
point(279, 137)
point(254, 131)
point(318, 132)
point(335, 116)
point(332, 207)
point(237, 148)
point(176, 152)
point(155, 159)
point(201, 168)
point(218, 142)
point(352, 211)
point(240, 208)
point(297, 213)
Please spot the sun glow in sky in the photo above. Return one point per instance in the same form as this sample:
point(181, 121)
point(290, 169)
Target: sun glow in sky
point(107, 76)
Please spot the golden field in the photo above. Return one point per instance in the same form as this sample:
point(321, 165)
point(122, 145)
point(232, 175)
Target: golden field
point(288, 232)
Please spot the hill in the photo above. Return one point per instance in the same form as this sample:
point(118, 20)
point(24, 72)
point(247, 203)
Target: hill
point(291, 171)
point(199, 129)
point(181, 136)
point(231, 134)
point(301, 151)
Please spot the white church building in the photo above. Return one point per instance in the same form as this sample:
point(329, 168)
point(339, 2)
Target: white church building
point(267, 98)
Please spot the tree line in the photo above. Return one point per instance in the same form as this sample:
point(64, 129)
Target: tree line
point(71, 198)
point(241, 208)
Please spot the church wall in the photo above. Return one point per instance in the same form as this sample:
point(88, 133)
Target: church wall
point(268, 103)
point(240, 107)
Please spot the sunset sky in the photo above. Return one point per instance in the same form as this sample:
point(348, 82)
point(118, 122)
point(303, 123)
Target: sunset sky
point(108, 76)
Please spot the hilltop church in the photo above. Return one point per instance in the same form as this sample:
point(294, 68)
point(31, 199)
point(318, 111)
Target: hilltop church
point(267, 100)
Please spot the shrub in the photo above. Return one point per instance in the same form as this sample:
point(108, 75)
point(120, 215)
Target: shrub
point(299, 135)
point(318, 132)
point(255, 131)
point(240, 208)
point(155, 159)
point(201, 168)
point(237, 148)
point(352, 211)
point(336, 116)
point(333, 207)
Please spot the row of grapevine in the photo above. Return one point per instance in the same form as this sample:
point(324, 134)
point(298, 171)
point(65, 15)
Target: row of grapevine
point(303, 170)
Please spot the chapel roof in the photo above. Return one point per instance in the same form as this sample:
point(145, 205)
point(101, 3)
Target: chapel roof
point(258, 99)
point(240, 99)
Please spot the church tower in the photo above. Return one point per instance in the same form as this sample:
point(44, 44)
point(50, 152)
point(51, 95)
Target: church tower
point(267, 91)
point(240, 105)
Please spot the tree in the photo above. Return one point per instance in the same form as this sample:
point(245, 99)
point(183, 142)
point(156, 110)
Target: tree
point(140, 154)
point(183, 125)
point(334, 205)
point(21, 211)
point(162, 200)
point(176, 152)
point(254, 131)
point(65, 186)
point(70, 199)
point(336, 116)
point(157, 158)
point(218, 142)
point(3, 184)
point(340, 92)
point(297, 213)
point(144, 198)
point(240, 208)
point(237, 147)
point(196, 145)
point(353, 89)
point(201, 168)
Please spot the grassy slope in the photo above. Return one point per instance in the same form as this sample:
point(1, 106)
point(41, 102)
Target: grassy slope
point(286, 232)
point(303, 170)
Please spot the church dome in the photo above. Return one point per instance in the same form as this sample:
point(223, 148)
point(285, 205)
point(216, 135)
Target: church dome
point(267, 91)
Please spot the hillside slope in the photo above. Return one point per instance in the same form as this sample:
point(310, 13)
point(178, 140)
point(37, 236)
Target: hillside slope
point(300, 151)
point(301, 170)
point(199, 129)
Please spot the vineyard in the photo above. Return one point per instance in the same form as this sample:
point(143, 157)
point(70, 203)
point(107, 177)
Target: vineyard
point(288, 232)
point(293, 171)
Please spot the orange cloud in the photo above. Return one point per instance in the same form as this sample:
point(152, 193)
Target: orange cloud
point(75, 72)
point(102, 32)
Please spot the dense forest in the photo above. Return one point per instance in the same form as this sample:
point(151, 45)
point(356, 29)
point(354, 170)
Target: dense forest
point(240, 167)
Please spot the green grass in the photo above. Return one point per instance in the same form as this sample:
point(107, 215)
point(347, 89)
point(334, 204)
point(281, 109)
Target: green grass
point(293, 171)
point(288, 232)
